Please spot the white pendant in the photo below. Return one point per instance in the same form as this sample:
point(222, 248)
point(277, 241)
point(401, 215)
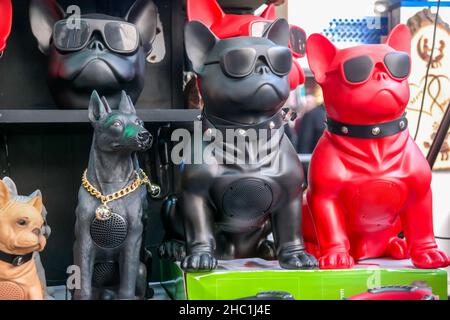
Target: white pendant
point(103, 213)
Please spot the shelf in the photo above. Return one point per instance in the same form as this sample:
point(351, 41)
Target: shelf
point(21, 116)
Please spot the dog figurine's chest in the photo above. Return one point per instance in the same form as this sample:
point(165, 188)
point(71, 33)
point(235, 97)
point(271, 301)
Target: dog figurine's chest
point(373, 204)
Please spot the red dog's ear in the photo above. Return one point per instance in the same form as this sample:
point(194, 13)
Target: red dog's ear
point(320, 52)
point(400, 38)
point(269, 13)
point(5, 195)
point(206, 11)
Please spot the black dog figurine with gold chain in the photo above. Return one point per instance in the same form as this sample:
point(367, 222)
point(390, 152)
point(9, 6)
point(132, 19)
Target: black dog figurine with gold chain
point(112, 204)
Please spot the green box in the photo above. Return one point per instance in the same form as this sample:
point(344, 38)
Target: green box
point(238, 279)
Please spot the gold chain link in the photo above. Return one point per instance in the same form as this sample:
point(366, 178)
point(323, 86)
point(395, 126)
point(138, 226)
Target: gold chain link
point(138, 181)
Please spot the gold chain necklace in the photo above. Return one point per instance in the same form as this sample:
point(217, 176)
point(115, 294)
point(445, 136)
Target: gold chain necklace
point(104, 212)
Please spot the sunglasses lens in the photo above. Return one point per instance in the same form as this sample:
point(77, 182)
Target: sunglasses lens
point(68, 36)
point(280, 59)
point(239, 63)
point(297, 40)
point(121, 36)
point(358, 69)
point(398, 64)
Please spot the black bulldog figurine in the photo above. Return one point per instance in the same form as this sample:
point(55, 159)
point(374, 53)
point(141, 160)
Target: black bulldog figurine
point(112, 205)
point(94, 51)
point(226, 209)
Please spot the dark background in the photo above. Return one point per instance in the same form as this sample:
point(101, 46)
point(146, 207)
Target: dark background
point(51, 155)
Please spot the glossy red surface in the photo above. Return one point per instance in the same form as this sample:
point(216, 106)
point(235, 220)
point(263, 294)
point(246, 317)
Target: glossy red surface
point(238, 25)
point(363, 192)
point(5, 22)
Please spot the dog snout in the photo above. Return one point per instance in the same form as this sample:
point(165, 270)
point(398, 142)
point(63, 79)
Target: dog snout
point(145, 138)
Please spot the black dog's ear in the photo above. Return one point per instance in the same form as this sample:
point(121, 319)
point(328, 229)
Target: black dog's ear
point(199, 41)
point(125, 104)
point(278, 32)
point(43, 15)
point(144, 15)
point(97, 109)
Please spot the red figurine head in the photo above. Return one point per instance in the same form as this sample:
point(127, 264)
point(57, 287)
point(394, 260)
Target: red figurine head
point(363, 84)
point(5, 22)
point(236, 25)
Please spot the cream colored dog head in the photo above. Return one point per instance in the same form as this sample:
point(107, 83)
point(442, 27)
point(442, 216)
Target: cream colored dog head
point(21, 220)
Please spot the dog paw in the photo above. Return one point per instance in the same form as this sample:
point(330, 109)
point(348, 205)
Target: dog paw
point(397, 248)
point(430, 259)
point(173, 250)
point(266, 250)
point(336, 260)
point(297, 260)
point(199, 262)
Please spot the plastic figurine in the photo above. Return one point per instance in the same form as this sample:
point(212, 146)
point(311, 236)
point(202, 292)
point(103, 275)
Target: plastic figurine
point(97, 51)
point(225, 25)
point(22, 234)
point(368, 181)
point(112, 204)
point(5, 23)
point(226, 210)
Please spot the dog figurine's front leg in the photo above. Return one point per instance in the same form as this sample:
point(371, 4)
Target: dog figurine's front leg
point(198, 225)
point(129, 263)
point(417, 222)
point(286, 224)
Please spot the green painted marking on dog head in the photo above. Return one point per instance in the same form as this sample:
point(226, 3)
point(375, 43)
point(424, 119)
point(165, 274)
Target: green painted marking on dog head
point(130, 131)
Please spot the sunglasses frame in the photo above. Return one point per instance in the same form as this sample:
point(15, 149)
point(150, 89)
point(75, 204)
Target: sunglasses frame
point(258, 54)
point(97, 25)
point(340, 68)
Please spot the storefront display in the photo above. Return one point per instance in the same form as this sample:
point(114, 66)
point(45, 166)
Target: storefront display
point(22, 234)
point(166, 140)
point(94, 51)
point(224, 26)
point(5, 23)
point(251, 199)
point(378, 182)
point(112, 205)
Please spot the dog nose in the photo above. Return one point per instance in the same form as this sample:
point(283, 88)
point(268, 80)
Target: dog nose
point(96, 45)
point(262, 69)
point(380, 75)
point(144, 137)
point(37, 231)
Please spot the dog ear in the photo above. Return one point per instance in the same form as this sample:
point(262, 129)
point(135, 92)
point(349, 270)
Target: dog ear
point(36, 200)
point(5, 194)
point(125, 104)
point(97, 109)
point(269, 13)
point(144, 15)
point(206, 11)
point(11, 186)
point(320, 52)
point(278, 32)
point(199, 41)
point(400, 38)
point(43, 15)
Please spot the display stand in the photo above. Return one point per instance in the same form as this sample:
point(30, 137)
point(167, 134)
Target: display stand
point(246, 278)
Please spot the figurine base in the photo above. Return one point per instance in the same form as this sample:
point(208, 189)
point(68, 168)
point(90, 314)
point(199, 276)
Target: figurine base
point(238, 279)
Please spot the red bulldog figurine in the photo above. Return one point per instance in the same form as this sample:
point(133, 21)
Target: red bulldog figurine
point(368, 181)
point(225, 25)
point(5, 23)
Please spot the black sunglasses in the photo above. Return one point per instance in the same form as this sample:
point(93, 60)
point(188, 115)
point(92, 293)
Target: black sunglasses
point(359, 69)
point(239, 63)
point(119, 36)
